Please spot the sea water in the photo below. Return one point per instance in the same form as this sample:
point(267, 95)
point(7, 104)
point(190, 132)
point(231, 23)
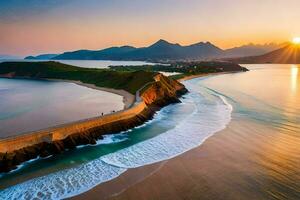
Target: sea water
point(268, 95)
point(30, 105)
point(173, 131)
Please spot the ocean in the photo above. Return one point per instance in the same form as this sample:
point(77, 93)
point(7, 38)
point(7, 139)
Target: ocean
point(30, 105)
point(267, 97)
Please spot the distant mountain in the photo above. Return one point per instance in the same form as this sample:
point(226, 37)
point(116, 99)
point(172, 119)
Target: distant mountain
point(289, 54)
point(251, 50)
point(41, 57)
point(113, 53)
point(161, 50)
point(8, 57)
point(203, 50)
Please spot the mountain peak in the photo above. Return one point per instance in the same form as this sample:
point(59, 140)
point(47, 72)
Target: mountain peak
point(202, 44)
point(162, 42)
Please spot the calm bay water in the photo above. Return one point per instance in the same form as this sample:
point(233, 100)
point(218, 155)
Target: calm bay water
point(265, 104)
point(30, 105)
point(89, 63)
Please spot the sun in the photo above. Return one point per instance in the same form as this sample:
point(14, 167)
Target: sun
point(296, 40)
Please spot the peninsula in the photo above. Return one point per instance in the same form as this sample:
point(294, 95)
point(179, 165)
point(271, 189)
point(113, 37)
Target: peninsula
point(154, 91)
point(151, 89)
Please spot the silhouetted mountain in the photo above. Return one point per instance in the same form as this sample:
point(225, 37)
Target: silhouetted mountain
point(203, 50)
point(164, 50)
point(251, 50)
point(289, 54)
point(113, 53)
point(161, 50)
point(41, 57)
point(8, 57)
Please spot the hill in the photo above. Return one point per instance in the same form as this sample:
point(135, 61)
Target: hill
point(289, 54)
point(41, 57)
point(251, 50)
point(129, 81)
point(113, 53)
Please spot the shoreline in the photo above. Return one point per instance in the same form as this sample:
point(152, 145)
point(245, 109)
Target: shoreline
point(191, 175)
point(53, 140)
point(128, 99)
point(134, 176)
point(205, 74)
point(124, 186)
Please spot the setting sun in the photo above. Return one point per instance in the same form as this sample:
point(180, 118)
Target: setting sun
point(296, 40)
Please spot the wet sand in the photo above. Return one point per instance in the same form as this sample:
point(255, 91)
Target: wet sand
point(243, 161)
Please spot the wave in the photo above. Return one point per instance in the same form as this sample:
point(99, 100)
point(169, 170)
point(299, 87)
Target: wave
point(190, 133)
point(64, 184)
point(211, 114)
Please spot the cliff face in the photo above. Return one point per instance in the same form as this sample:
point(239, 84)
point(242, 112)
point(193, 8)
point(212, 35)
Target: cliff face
point(14, 151)
point(163, 91)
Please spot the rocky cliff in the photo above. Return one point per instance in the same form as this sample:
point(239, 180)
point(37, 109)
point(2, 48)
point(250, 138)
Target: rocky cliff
point(14, 151)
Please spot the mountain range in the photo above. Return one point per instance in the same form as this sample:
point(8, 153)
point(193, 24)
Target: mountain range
point(289, 54)
point(252, 50)
point(42, 57)
point(162, 50)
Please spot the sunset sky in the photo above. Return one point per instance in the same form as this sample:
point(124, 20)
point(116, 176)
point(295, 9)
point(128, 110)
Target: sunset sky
point(54, 26)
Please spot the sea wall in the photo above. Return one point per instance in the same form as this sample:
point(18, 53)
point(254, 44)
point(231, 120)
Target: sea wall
point(14, 151)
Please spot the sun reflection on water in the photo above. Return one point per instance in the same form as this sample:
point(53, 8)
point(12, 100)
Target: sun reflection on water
point(294, 78)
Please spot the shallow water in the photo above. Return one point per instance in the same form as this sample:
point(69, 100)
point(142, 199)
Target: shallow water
point(268, 96)
point(29, 105)
point(263, 144)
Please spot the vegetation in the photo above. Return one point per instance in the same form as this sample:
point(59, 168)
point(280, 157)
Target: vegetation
point(184, 68)
point(129, 81)
point(129, 78)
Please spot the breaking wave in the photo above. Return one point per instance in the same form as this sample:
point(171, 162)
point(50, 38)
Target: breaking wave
point(211, 114)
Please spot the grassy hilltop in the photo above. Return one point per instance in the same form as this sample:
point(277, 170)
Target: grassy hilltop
point(129, 81)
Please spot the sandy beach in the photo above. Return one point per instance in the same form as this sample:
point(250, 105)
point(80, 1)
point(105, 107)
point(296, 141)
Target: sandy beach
point(229, 165)
point(181, 172)
point(192, 175)
point(246, 160)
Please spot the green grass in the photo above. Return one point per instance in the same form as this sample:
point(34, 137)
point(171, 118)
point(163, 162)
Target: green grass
point(130, 81)
point(184, 68)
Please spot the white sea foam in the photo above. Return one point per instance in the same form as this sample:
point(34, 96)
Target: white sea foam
point(64, 183)
point(206, 119)
point(211, 114)
point(113, 138)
